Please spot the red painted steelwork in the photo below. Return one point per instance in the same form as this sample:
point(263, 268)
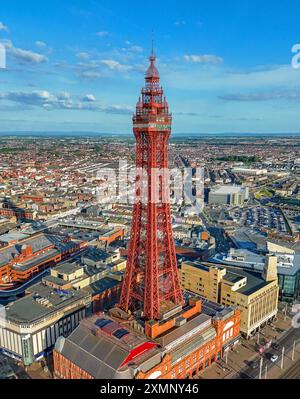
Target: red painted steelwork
point(151, 275)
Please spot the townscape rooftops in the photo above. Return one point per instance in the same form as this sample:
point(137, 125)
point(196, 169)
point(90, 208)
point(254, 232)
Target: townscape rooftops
point(101, 285)
point(96, 254)
point(13, 236)
point(38, 259)
point(68, 268)
point(41, 302)
point(37, 243)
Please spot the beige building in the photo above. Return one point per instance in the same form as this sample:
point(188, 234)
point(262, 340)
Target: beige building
point(255, 295)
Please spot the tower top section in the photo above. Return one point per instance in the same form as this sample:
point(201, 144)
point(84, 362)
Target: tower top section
point(152, 101)
point(152, 71)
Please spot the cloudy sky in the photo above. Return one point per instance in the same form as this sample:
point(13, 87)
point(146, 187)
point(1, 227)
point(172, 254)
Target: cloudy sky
point(78, 65)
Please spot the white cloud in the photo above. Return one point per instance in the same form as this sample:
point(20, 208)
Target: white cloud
point(64, 95)
point(136, 49)
point(217, 78)
point(3, 27)
point(62, 101)
point(263, 96)
point(24, 55)
point(90, 74)
point(89, 98)
point(180, 23)
point(102, 34)
point(115, 65)
point(31, 98)
point(40, 44)
point(204, 59)
point(82, 55)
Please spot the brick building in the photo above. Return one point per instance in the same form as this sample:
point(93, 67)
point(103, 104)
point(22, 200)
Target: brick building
point(103, 347)
point(24, 259)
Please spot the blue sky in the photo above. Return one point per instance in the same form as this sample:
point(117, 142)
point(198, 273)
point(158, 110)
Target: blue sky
point(79, 65)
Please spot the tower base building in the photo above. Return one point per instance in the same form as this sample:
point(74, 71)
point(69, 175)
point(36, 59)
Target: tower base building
point(179, 347)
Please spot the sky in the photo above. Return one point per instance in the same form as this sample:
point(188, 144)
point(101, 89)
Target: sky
point(79, 65)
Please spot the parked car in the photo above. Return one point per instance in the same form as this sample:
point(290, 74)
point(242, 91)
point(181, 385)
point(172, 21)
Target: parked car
point(274, 358)
point(254, 365)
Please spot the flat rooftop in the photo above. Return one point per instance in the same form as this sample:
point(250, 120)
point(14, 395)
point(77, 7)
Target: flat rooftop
point(254, 280)
point(68, 268)
point(13, 236)
point(196, 324)
point(31, 309)
point(225, 190)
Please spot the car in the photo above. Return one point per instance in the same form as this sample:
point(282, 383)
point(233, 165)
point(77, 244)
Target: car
point(254, 365)
point(275, 346)
point(274, 358)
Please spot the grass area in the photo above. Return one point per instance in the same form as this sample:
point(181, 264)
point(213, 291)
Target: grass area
point(247, 160)
point(264, 194)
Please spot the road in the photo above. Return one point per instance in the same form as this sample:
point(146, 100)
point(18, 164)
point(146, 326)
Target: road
point(286, 341)
point(222, 243)
point(293, 373)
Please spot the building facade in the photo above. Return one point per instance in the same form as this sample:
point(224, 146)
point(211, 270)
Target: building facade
point(24, 259)
point(254, 294)
point(229, 195)
point(102, 348)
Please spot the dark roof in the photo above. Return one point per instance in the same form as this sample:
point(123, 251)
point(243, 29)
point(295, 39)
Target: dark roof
point(254, 280)
point(101, 285)
point(30, 308)
point(92, 349)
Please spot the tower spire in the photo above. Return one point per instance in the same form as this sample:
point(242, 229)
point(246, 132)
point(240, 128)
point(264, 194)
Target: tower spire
point(152, 72)
point(152, 44)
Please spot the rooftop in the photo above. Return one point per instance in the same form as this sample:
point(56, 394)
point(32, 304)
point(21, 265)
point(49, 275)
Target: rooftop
point(107, 350)
point(228, 190)
point(42, 302)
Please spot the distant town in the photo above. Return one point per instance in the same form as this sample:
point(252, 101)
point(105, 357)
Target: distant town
point(65, 229)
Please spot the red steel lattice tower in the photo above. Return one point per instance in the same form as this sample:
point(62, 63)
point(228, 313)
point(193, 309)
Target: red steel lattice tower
point(151, 280)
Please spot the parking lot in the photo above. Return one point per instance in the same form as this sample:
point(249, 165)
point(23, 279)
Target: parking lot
point(261, 219)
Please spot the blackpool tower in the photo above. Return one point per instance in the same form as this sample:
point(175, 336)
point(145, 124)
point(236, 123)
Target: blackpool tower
point(151, 282)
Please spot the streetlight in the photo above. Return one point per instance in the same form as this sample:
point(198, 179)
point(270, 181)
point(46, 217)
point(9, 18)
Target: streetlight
point(266, 372)
point(258, 335)
point(260, 367)
point(282, 358)
point(285, 311)
point(294, 347)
